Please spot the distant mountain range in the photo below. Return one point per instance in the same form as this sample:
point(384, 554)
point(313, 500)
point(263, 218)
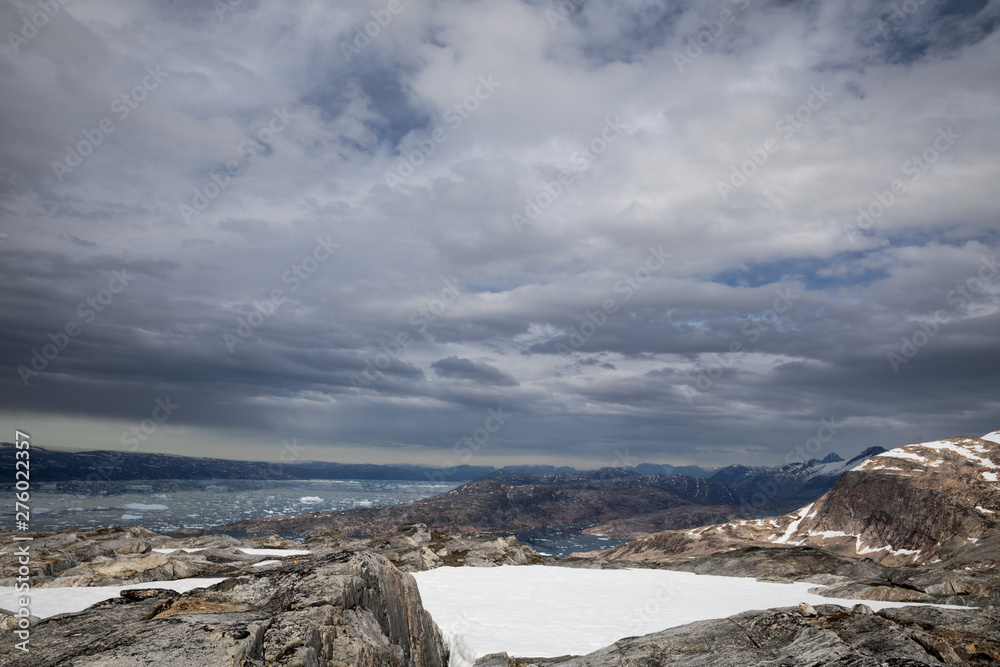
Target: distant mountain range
point(50, 465)
point(925, 503)
point(792, 485)
point(617, 502)
point(59, 466)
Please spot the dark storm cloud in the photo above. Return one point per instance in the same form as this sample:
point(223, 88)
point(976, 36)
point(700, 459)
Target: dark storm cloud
point(466, 369)
point(308, 295)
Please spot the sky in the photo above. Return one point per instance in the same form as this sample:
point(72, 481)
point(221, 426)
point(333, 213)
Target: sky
point(590, 233)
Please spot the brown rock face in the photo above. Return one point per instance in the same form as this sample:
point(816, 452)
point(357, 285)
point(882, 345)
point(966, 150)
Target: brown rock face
point(936, 502)
point(676, 518)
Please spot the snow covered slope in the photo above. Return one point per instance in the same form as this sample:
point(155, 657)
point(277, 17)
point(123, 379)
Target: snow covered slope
point(927, 502)
point(776, 490)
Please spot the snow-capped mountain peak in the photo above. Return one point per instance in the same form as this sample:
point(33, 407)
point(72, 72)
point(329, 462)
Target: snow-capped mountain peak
point(926, 502)
point(992, 437)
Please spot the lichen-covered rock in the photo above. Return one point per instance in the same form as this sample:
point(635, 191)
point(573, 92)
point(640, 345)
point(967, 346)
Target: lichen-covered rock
point(128, 569)
point(350, 608)
point(825, 635)
point(415, 548)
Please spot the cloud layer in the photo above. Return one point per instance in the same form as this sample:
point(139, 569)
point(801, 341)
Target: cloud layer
point(685, 231)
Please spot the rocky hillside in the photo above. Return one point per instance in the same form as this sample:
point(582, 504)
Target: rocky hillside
point(933, 502)
point(634, 527)
point(823, 635)
point(507, 500)
point(779, 490)
point(622, 503)
point(348, 608)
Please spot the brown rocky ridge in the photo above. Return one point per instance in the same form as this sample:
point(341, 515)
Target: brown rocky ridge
point(934, 503)
point(506, 501)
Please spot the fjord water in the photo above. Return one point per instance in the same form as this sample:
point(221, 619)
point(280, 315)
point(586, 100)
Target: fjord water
point(164, 505)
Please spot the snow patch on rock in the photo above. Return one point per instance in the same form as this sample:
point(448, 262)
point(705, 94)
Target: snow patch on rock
point(794, 525)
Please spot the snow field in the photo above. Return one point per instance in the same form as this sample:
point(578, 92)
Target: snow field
point(544, 611)
point(47, 602)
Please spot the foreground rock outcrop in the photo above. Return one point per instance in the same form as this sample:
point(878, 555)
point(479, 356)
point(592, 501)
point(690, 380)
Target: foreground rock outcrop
point(121, 556)
point(348, 608)
point(806, 636)
point(414, 548)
